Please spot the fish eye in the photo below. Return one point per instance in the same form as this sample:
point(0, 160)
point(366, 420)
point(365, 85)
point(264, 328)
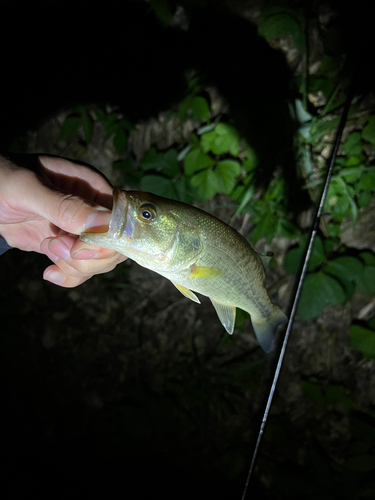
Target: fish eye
point(148, 213)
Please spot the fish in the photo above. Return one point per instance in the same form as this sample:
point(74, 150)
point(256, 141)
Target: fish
point(197, 252)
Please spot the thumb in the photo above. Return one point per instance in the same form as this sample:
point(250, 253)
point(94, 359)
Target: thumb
point(69, 212)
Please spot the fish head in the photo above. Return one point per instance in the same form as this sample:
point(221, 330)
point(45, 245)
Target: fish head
point(150, 230)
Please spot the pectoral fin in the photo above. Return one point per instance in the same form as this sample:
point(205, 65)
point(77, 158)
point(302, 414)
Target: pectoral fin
point(188, 293)
point(204, 272)
point(227, 315)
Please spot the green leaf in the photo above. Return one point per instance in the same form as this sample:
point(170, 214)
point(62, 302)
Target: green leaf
point(337, 394)
point(294, 256)
point(70, 126)
point(120, 141)
point(371, 323)
point(351, 174)
point(353, 144)
point(312, 391)
point(302, 115)
point(101, 115)
point(333, 229)
point(127, 165)
point(252, 160)
point(200, 107)
point(206, 184)
point(159, 185)
point(111, 130)
point(368, 133)
point(126, 125)
point(167, 162)
point(183, 189)
point(151, 160)
point(184, 107)
point(208, 140)
point(364, 199)
point(361, 463)
point(319, 290)
point(265, 228)
point(227, 172)
point(348, 270)
point(87, 127)
point(170, 166)
point(368, 258)
point(350, 267)
point(110, 125)
point(227, 140)
point(283, 24)
point(367, 181)
point(338, 199)
point(287, 228)
point(162, 11)
point(367, 284)
point(363, 339)
point(196, 160)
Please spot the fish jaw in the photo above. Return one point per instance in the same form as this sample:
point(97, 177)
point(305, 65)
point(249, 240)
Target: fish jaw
point(120, 227)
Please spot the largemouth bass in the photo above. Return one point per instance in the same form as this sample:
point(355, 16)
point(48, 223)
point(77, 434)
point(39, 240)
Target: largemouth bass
point(197, 252)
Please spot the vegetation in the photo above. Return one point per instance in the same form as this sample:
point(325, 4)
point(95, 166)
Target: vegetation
point(218, 160)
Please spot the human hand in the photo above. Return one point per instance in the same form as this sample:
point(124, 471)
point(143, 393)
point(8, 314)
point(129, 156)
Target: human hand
point(46, 210)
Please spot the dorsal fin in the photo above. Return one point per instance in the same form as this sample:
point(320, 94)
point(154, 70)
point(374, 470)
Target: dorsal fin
point(266, 258)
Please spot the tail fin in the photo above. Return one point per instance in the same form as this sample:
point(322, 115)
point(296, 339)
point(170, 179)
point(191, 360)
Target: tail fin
point(264, 328)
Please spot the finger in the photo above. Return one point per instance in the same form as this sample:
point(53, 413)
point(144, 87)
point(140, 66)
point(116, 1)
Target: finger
point(69, 212)
point(64, 275)
point(60, 169)
point(74, 251)
point(54, 275)
point(58, 251)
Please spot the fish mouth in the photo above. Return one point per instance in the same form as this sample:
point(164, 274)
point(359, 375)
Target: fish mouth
point(117, 224)
point(120, 224)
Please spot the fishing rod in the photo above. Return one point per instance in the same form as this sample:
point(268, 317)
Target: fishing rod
point(298, 288)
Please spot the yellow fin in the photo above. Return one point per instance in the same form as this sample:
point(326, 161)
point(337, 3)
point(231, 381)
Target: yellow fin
point(188, 293)
point(227, 315)
point(204, 272)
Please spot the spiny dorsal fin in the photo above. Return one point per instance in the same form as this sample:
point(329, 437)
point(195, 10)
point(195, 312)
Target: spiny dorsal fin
point(266, 259)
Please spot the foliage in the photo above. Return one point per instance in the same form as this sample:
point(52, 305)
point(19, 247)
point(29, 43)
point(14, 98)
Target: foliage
point(82, 119)
point(217, 160)
point(332, 277)
point(363, 338)
point(279, 20)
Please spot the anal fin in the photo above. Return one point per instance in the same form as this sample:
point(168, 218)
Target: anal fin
point(188, 293)
point(227, 315)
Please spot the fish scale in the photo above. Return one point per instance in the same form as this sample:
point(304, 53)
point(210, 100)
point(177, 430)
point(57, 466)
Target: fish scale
point(197, 252)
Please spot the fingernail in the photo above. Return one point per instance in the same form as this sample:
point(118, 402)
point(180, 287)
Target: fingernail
point(54, 277)
point(58, 248)
point(98, 222)
point(86, 254)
